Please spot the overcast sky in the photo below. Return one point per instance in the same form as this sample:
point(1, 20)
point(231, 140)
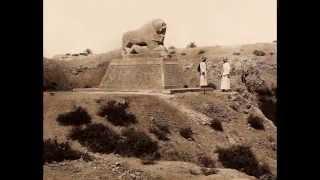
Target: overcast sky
point(73, 25)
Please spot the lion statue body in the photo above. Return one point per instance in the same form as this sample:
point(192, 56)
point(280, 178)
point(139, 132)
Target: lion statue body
point(148, 37)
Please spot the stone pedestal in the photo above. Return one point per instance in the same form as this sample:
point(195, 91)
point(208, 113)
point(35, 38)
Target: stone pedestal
point(142, 73)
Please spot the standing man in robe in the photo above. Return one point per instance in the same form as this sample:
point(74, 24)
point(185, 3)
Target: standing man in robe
point(203, 73)
point(225, 80)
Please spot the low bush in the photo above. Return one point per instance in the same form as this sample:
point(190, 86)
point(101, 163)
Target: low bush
point(216, 125)
point(183, 54)
point(54, 151)
point(259, 53)
point(149, 159)
point(172, 52)
point(96, 137)
point(191, 45)
point(186, 133)
point(171, 154)
point(116, 113)
point(201, 51)
point(242, 159)
point(160, 134)
point(206, 161)
point(236, 53)
point(136, 143)
point(172, 47)
point(76, 117)
point(185, 86)
point(255, 122)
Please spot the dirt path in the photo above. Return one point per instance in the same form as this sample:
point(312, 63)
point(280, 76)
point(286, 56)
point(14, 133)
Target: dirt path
point(200, 118)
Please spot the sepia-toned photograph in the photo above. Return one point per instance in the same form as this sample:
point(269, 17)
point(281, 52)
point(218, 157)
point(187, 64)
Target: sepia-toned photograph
point(159, 90)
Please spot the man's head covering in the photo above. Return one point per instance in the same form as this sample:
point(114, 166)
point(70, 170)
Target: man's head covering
point(225, 59)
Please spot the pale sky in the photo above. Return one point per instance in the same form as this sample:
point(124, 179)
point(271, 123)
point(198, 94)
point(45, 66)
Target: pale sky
point(74, 25)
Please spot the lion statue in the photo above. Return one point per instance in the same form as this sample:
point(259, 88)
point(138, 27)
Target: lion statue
point(148, 37)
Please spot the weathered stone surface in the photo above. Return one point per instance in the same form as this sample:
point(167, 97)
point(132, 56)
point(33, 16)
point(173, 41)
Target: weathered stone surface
point(148, 37)
point(141, 73)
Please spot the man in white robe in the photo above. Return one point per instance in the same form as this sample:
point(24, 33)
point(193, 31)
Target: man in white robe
point(225, 80)
point(203, 73)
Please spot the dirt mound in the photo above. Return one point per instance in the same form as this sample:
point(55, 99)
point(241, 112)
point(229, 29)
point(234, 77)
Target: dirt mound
point(80, 72)
point(177, 150)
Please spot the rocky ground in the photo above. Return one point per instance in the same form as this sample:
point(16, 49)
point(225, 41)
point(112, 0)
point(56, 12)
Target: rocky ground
point(179, 111)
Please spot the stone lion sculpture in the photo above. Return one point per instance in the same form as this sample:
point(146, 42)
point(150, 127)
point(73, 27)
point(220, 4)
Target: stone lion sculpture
point(148, 37)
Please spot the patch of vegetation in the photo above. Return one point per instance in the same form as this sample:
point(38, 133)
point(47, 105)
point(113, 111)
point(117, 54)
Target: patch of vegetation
point(183, 54)
point(216, 125)
point(172, 47)
point(172, 52)
point(76, 117)
point(149, 159)
point(50, 86)
point(173, 155)
point(255, 122)
point(191, 45)
point(96, 137)
point(116, 113)
point(242, 159)
point(136, 143)
point(186, 133)
point(54, 151)
point(206, 161)
point(236, 53)
point(160, 134)
point(201, 51)
point(185, 86)
point(259, 53)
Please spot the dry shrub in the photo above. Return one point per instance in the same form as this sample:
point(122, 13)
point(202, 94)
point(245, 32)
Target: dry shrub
point(172, 154)
point(216, 125)
point(76, 117)
point(186, 133)
point(54, 151)
point(50, 86)
point(172, 52)
point(236, 53)
point(116, 113)
point(96, 137)
point(160, 134)
point(136, 143)
point(242, 158)
point(191, 45)
point(201, 51)
point(259, 53)
point(149, 159)
point(183, 54)
point(255, 122)
point(206, 161)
